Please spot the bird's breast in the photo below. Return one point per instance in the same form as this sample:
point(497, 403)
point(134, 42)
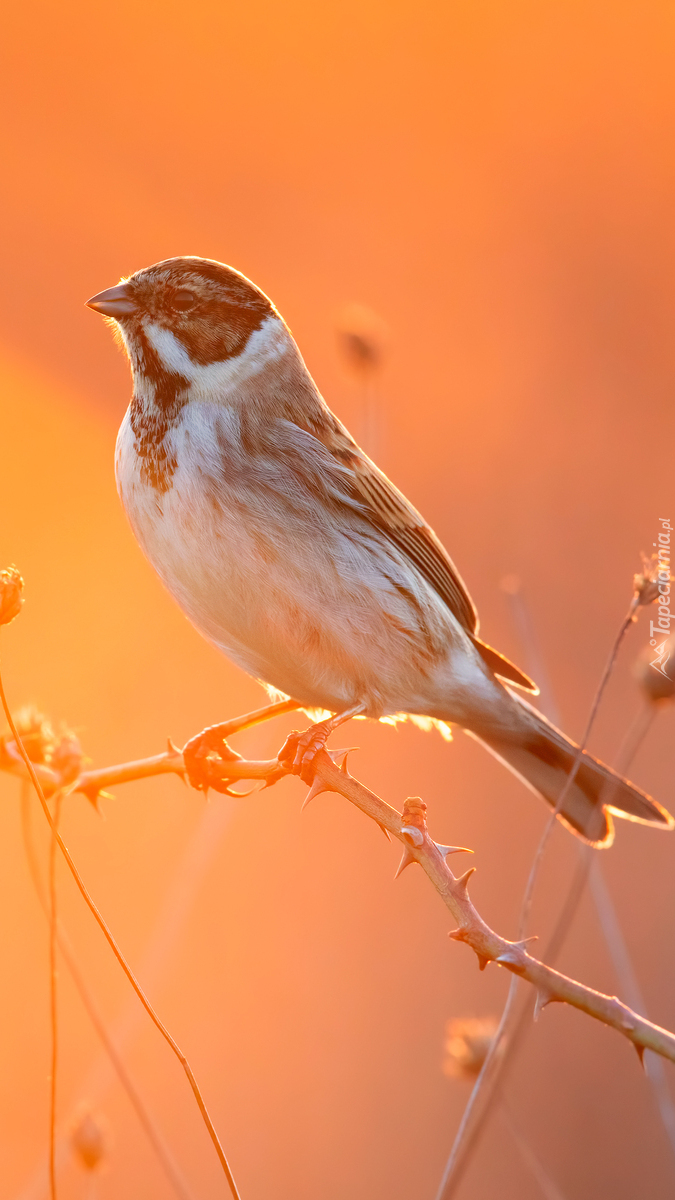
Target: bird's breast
point(297, 588)
point(217, 541)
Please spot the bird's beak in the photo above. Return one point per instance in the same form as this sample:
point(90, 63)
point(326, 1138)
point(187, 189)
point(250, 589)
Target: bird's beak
point(115, 302)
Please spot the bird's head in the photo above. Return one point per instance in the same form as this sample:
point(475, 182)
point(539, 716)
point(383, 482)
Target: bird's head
point(185, 317)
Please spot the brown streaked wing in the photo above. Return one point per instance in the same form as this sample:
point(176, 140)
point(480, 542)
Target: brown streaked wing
point(503, 666)
point(396, 516)
point(408, 529)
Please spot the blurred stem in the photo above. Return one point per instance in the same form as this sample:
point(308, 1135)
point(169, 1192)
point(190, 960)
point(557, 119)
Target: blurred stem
point(486, 1075)
point(529, 890)
point(117, 952)
point(635, 736)
point(604, 905)
point(68, 955)
point(53, 996)
point(523, 1023)
point(446, 1189)
point(630, 987)
point(588, 862)
point(549, 1188)
point(534, 659)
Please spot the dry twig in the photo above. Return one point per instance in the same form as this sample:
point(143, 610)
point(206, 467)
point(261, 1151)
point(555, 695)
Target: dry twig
point(410, 829)
point(644, 591)
point(68, 955)
point(53, 995)
point(32, 773)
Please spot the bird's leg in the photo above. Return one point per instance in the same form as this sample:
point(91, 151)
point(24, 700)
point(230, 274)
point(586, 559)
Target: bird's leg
point(206, 754)
point(300, 749)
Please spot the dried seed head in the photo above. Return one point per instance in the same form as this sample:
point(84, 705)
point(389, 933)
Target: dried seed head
point(649, 584)
point(11, 587)
point(655, 670)
point(36, 733)
point(90, 1140)
point(62, 752)
point(468, 1040)
point(362, 338)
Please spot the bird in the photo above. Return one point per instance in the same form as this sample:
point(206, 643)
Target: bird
point(296, 556)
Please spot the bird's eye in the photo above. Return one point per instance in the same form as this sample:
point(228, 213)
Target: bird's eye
point(182, 300)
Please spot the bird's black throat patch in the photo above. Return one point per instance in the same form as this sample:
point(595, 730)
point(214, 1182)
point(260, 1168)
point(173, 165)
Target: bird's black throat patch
point(154, 414)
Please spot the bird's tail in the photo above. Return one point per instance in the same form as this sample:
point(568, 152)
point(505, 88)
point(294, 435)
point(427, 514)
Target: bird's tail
point(543, 757)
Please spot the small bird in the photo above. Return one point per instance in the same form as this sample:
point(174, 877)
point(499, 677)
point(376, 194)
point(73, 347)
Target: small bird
point(290, 551)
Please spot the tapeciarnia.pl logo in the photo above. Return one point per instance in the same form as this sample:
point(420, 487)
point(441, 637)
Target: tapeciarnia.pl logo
point(660, 629)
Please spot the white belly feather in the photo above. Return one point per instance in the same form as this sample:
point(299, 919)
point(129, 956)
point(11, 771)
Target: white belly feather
point(281, 591)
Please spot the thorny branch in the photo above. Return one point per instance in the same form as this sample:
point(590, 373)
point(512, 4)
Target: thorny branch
point(410, 828)
point(645, 590)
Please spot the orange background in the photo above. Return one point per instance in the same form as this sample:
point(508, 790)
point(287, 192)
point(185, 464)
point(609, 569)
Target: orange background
point(497, 181)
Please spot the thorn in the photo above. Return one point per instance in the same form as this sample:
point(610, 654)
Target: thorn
point(316, 789)
point(334, 755)
point(444, 851)
point(511, 956)
point(640, 1050)
point(458, 935)
point(172, 748)
point(94, 795)
point(385, 831)
point(482, 961)
point(543, 998)
point(343, 764)
point(274, 776)
point(413, 835)
point(464, 879)
point(522, 945)
point(406, 860)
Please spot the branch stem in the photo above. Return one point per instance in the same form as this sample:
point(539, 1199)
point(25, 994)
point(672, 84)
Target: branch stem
point(68, 955)
point(117, 952)
point(609, 667)
point(488, 945)
point(53, 992)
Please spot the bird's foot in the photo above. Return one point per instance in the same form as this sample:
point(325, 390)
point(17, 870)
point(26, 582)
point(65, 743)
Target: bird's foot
point(205, 757)
point(300, 749)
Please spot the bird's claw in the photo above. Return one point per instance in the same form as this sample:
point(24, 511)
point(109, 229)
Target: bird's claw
point(205, 757)
point(300, 749)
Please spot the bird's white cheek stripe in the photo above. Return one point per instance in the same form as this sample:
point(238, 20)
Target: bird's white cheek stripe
point(172, 355)
point(265, 345)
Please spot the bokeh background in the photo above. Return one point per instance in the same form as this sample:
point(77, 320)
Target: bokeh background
point(496, 180)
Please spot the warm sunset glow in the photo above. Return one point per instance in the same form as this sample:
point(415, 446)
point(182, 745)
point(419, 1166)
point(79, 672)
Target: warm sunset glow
point(494, 183)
